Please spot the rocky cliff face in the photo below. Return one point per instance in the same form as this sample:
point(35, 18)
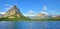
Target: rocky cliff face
point(13, 12)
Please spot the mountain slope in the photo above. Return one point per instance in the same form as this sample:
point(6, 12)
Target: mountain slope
point(40, 16)
point(13, 12)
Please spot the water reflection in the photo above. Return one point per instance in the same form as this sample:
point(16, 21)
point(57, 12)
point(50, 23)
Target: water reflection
point(53, 25)
point(32, 25)
point(29, 25)
point(39, 25)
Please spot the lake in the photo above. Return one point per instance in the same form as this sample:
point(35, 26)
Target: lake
point(29, 25)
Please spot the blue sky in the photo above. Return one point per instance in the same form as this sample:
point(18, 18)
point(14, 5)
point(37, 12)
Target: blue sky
point(31, 6)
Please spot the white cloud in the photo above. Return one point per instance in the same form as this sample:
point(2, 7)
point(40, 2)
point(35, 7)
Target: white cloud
point(9, 6)
point(45, 8)
point(2, 12)
point(6, 8)
point(44, 13)
point(30, 13)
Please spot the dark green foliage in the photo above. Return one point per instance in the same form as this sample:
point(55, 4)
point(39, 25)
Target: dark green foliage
point(5, 19)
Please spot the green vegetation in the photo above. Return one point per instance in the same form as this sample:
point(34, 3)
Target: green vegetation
point(13, 19)
point(27, 19)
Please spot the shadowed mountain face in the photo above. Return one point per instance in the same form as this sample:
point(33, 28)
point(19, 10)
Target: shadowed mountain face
point(13, 12)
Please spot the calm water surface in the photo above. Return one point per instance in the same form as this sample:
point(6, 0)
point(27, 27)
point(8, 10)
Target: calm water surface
point(6, 25)
point(29, 25)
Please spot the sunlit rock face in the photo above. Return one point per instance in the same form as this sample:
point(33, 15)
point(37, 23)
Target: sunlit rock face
point(13, 12)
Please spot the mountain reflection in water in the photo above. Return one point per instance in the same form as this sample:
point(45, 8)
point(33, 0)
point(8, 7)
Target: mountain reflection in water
point(29, 25)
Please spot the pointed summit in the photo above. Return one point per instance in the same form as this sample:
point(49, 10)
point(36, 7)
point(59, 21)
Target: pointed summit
point(14, 6)
point(13, 12)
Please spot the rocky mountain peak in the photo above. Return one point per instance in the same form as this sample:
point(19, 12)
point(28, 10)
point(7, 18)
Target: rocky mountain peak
point(13, 12)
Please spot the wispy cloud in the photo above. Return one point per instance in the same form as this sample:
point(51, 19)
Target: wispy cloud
point(30, 13)
point(8, 6)
point(45, 8)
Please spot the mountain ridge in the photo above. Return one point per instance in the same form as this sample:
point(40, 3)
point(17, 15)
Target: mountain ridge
point(14, 11)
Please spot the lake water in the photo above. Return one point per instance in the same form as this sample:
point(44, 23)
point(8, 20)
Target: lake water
point(29, 25)
point(6, 25)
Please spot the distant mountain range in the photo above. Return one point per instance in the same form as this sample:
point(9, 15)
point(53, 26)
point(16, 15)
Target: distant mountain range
point(14, 12)
point(44, 16)
point(40, 16)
